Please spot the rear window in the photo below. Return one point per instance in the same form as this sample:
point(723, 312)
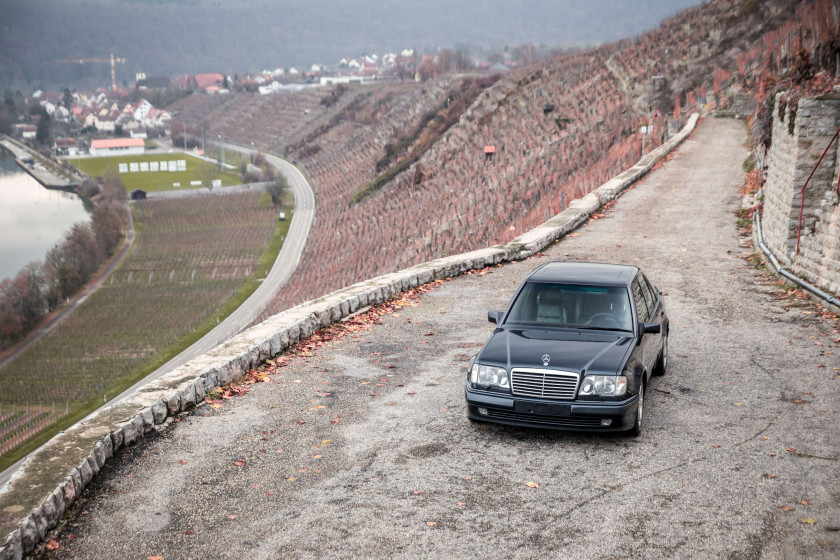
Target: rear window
point(571, 305)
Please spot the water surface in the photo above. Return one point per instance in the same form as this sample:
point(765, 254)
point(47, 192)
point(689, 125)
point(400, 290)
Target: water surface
point(32, 218)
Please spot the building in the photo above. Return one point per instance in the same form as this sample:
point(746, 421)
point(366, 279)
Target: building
point(66, 146)
point(117, 147)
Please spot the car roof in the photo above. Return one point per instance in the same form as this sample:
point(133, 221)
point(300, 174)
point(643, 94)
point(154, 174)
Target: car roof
point(585, 273)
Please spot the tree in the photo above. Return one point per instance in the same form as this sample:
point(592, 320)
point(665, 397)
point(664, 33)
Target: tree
point(5, 122)
point(207, 173)
point(107, 227)
point(277, 188)
point(67, 98)
point(82, 252)
point(43, 133)
point(10, 324)
point(24, 296)
point(20, 103)
point(52, 276)
point(113, 189)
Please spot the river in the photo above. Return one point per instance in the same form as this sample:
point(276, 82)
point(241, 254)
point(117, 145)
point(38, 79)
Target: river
point(32, 218)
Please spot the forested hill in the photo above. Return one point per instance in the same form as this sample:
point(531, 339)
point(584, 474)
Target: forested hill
point(170, 37)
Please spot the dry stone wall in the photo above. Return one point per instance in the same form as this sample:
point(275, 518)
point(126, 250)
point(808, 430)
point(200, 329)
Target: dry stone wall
point(796, 148)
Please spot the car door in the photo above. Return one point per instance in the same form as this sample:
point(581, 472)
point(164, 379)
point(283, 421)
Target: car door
point(657, 315)
point(648, 344)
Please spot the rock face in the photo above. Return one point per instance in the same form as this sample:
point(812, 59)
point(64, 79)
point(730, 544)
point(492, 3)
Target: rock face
point(795, 150)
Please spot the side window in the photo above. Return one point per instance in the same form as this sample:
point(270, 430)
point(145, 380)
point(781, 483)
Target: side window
point(650, 298)
point(641, 305)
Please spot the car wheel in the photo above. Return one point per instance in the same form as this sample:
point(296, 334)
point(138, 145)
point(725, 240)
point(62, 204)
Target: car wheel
point(662, 362)
point(637, 425)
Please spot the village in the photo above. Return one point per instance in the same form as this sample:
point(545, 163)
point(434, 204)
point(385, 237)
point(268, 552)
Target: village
point(120, 119)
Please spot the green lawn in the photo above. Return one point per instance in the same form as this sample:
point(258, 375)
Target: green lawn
point(197, 170)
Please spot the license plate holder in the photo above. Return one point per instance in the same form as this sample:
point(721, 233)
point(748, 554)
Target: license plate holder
point(542, 409)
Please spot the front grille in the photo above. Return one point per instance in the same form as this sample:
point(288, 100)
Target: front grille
point(559, 421)
point(544, 384)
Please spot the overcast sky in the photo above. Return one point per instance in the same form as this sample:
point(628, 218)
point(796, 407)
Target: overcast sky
point(188, 36)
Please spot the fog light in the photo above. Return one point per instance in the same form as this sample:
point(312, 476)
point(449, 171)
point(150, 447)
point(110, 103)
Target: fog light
point(606, 421)
point(482, 411)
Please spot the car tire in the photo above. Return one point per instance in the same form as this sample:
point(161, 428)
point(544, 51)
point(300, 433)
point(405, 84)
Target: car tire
point(637, 423)
point(662, 361)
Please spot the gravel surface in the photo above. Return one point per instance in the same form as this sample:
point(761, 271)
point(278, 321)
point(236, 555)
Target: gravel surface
point(363, 449)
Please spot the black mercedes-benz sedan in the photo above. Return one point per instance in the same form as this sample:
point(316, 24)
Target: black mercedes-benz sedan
point(574, 350)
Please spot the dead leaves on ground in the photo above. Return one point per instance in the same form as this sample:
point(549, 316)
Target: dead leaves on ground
point(326, 335)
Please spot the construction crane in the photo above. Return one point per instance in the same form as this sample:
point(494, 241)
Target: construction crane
point(96, 59)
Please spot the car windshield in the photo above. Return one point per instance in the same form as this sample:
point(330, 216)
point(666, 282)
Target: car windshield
point(574, 306)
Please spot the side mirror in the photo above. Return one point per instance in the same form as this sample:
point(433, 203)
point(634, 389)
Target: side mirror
point(495, 316)
point(653, 328)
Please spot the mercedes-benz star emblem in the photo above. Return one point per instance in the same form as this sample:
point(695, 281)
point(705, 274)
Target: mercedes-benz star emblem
point(546, 358)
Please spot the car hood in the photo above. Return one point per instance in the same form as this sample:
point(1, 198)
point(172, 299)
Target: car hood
point(593, 351)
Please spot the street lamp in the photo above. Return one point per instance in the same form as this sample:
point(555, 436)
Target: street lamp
point(252, 153)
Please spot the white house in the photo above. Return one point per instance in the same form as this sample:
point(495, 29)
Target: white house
point(142, 110)
point(117, 147)
point(156, 118)
point(105, 123)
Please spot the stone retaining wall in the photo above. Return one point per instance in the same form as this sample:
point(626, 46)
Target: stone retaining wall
point(57, 473)
point(791, 159)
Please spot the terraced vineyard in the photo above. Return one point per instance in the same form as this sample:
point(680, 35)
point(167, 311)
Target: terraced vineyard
point(18, 426)
point(191, 256)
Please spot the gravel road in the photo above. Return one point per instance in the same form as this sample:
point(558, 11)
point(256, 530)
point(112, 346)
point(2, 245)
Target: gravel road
point(363, 449)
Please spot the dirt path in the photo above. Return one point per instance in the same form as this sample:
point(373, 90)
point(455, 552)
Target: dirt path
point(364, 449)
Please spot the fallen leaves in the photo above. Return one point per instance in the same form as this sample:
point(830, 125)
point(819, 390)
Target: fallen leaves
point(786, 508)
point(52, 545)
point(240, 463)
point(808, 521)
point(431, 523)
point(532, 484)
point(791, 450)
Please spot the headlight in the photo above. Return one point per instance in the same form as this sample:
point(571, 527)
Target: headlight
point(604, 385)
point(489, 375)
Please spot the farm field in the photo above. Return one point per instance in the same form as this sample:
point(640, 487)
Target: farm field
point(156, 180)
point(194, 261)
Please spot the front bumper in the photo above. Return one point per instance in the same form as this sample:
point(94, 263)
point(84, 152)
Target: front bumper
point(584, 416)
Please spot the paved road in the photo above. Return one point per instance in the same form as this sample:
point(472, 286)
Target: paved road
point(363, 449)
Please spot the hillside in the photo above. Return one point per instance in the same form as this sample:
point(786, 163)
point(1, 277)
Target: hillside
point(171, 37)
point(455, 199)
